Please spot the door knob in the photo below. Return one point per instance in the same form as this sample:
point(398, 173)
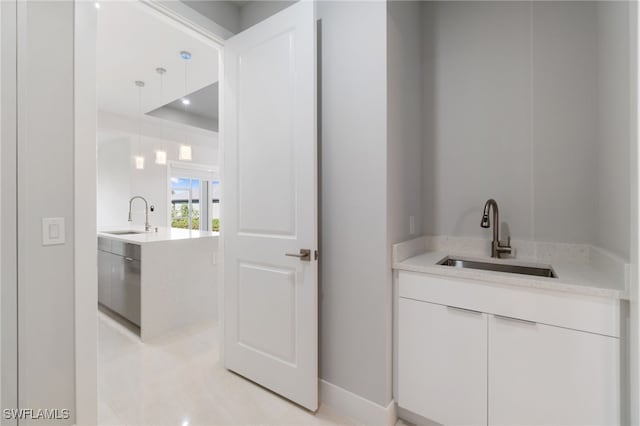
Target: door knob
point(304, 255)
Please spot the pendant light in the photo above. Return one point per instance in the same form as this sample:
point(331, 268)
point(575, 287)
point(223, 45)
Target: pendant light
point(161, 154)
point(185, 150)
point(139, 158)
point(161, 157)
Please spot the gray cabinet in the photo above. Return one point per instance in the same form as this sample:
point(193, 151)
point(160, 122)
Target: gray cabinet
point(125, 288)
point(119, 278)
point(104, 277)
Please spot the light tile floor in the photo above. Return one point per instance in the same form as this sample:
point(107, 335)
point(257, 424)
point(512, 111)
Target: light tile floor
point(178, 380)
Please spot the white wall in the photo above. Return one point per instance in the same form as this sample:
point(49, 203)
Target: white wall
point(614, 127)
point(511, 96)
point(565, 124)
point(46, 343)
point(114, 181)
point(477, 110)
point(8, 218)
point(404, 120)
point(119, 180)
point(355, 275)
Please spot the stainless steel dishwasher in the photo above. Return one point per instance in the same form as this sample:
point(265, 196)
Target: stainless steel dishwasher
point(119, 277)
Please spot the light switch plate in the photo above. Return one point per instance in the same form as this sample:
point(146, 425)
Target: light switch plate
point(53, 231)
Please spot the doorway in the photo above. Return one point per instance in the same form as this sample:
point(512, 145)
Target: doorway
point(189, 211)
point(158, 194)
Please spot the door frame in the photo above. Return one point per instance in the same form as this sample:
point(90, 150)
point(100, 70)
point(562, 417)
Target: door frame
point(85, 179)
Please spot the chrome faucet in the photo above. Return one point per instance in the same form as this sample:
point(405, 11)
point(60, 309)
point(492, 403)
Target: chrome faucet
point(497, 248)
point(147, 227)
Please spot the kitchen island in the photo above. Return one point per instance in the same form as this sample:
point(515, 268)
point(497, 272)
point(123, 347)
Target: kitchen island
point(162, 280)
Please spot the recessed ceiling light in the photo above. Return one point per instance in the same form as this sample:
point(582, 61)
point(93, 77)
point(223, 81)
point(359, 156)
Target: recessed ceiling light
point(97, 5)
point(185, 55)
point(186, 101)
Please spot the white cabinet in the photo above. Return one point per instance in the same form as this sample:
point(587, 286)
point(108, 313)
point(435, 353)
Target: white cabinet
point(488, 365)
point(545, 375)
point(442, 366)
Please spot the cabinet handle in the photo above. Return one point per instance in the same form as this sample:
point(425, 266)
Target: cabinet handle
point(471, 311)
point(524, 321)
point(129, 259)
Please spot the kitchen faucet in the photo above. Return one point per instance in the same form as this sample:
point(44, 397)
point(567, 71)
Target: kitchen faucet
point(496, 245)
point(147, 227)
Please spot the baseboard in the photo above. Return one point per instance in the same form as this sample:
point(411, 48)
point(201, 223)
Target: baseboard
point(356, 407)
point(414, 419)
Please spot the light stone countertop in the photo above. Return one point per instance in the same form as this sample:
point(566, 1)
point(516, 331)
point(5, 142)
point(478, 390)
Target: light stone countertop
point(587, 270)
point(163, 234)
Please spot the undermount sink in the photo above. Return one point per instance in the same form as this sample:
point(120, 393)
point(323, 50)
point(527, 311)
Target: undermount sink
point(538, 271)
point(127, 232)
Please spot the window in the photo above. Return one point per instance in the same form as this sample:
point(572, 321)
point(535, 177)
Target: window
point(194, 198)
point(214, 196)
point(185, 203)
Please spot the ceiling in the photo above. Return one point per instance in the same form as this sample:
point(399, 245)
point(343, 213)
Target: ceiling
point(201, 112)
point(131, 43)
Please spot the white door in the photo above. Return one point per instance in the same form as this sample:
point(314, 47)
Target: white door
point(442, 362)
point(270, 171)
point(545, 375)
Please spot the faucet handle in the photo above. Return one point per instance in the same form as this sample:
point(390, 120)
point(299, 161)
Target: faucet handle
point(505, 249)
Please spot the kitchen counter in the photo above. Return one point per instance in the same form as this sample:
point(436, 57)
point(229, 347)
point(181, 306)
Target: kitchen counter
point(178, 276)
point(580, 269)
point(146, 237)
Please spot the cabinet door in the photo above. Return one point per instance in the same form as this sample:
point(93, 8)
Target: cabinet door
point(544, 375)
point(104, 277)
point(131, 307)
point(442, 363)
point(125, 288)
point(117, 284)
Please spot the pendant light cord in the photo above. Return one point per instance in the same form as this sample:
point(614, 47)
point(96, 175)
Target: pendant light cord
point(139, 115)
point(161, 102)
point(186, 92)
